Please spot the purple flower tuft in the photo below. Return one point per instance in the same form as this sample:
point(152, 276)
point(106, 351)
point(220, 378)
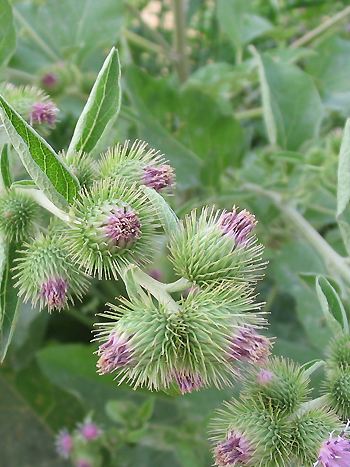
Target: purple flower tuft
point(335, 452)
point(64, 444)
point(188, 382)
point(237, 225)
point(122, 228)
point(158, 177)
point(114, 353)
point(49, 80)
point(54, 292)
point(83, 463)
point(89, 430)
point(43, 113)
point(264, 377)
point(249, 346)
point(235, 450)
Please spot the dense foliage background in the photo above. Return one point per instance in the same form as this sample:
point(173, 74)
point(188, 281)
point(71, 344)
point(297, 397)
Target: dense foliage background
point(247, 99)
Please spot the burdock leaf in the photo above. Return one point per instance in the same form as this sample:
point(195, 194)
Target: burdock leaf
point(4, 167)
point(45, 167)
point(167, 216)
point(332, 306)
point(101, 109)
point(343, 189)
point(7, 32)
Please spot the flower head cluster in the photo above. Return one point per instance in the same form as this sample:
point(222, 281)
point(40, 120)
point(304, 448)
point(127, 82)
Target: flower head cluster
point(214, 246)
point(46, 274)
point(82, 166)
point(137, 163)
point(271, 423)
point(115, 224)
point(43, 113)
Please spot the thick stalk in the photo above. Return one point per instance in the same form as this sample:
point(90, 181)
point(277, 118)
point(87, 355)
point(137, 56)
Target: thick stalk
point(39, 197)
point(179, 9)
point(178, 286)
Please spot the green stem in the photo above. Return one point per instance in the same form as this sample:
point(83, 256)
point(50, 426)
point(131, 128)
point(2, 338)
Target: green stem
point(178, 286)
point(249, 113)
point(14, 73)
point(36, 38)
point(179, 9)
point(313, 404)
point(330, 256)
point(143, 42)
point(311, 35)
point(39, 197)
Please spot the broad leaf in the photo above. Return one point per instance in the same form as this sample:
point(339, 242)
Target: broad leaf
point(343, 189)
point(7, 32)
point(45, 167)
point(4, 168)
point(166, 215)
point(292, 107)
point(9, 302)
point(101, 109)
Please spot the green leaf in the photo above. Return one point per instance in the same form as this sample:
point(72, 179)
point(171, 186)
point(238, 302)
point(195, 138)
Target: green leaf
point(4, 167)
point(343, 188)
point(9, 302)
point(101, 109)
point(292, 107)
point(166, 215)
point(145, 412)
point(331, 305)
point(7, 32)
point(45, 167)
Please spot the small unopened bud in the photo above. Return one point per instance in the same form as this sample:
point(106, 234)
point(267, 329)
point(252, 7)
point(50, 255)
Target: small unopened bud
point(237, 225)
point(89, 430)
point(49, 80)
point(264, 376)
point(335, 452)
point(158, 177)
point(249, 346)
point(188, 382)
point(235, 450)
point(115, 353)
point(43, 113)
point(54, 293)
point(64, 444)
point(122, 227)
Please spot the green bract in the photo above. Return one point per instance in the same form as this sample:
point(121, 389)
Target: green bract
point(337, 386)
point(22, 98)
point(82, 166)
point(189, 337)
point(339, 352)
point(18, 214)
point(88, 241)
point(202, 253)
point(43, 260)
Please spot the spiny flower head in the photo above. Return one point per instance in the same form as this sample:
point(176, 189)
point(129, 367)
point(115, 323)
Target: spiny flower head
point(64, 444)
point(337, 388)
point(137, 163)
point(285, 391)
point(335, 452)
point(237, 225)
point(339, 352)
point(113, 224)
point(115, 353)
point(203, 252)
point(234, 450)
point(311, 431)
point(89, 430)
point(49, 80)
point(248, 434)
point(82, 462)
point(43, 113)
point(182, 343)
point(264, 376)
point(249, 346)
point(82, 166)
point(47, 275)
point(18, 214)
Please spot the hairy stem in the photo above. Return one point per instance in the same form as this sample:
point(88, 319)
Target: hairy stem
point(143, 42)
point(178, 286)
point(179, 9)
point(311, 35)
point(39, 197)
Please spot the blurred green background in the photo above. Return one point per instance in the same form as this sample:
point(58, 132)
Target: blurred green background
point(247, 99)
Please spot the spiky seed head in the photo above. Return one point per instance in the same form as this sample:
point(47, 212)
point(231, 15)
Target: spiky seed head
point(138, 163)
point(286, 390)
point(249, 346)
point(337, 387)
point(89, 430)
point(18, 214)
point(335, 452)
point(47, 275)
point(43, 113)
point(188, 382)
point(339, 352)
point(310, 431)
point(237, 225)
point(184, 343)
point(64, 444)
point(203, 253)
point(115, 353)
point(158, 177)
point(234, 450)
point(23, 98)
point(82, 166)
point(266, 434)
point(114, 224)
